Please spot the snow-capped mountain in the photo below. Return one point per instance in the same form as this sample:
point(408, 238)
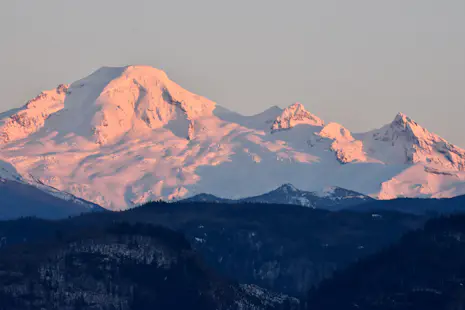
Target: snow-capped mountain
point(331, 198)
point(22, 198)
point(209, 198)
point(18, 199)
point(124, 136)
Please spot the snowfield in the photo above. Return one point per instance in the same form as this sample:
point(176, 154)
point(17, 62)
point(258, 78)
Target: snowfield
point(124, 136)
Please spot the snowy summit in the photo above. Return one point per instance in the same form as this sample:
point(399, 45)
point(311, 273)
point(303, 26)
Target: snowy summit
point(124, 136)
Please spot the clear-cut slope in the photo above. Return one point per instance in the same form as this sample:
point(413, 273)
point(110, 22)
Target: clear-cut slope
point(124, 136)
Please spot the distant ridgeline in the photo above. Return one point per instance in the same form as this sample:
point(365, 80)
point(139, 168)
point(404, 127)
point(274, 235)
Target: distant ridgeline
point(283, 248)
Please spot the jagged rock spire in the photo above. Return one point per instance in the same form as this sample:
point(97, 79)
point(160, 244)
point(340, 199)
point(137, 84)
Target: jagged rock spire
point(294, 115)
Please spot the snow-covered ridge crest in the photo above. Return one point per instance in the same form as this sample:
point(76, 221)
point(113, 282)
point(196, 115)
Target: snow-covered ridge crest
point(31, 117)
point(419, 145)
point(135, 98)
point(124, 136)
point(294, 115)
point(109, 103)
point(345, 147)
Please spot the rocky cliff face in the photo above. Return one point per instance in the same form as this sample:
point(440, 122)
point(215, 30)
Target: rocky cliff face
point(416, 144)
point(294, 115)
point(31, 117)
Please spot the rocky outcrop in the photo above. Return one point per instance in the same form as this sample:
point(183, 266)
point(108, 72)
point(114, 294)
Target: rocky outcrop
point(345, 147)
point(420, 145)
point(31, 117)
point(294, 115)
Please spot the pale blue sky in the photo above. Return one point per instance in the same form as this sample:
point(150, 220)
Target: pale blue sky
point(355, 62)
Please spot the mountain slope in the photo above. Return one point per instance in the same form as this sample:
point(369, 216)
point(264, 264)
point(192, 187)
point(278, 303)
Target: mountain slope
point(423, 271)
point(283, 248)
point(18, 199)
point(124, 136)
point(208, 198)
point(121, 267)
point(333, 198)
point(414, 144)
point(22, 122)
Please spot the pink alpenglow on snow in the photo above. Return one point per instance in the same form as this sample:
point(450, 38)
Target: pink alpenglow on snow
point(124, 136)
point(294, 115)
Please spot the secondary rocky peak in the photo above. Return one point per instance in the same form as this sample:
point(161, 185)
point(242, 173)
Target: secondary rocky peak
point(402, 117)
point(45, 98)
point(346, 148)
point(293, 115)
point(404, 123)
point(274, 110)
point(403, 129)
point(125, 136)
point(335, 131)
point(297, 106)
point(405, 138)
point(31, 117)
point(287, 188)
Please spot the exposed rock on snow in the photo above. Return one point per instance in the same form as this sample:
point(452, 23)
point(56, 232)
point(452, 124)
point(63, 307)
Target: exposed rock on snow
point(294, 115)
point(124, 136)
point(31, 117)
point(346, 148)
point(417, 143)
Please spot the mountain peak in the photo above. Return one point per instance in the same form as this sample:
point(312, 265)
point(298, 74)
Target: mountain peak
point(332, 198)
point(107, 105)
point(113, 72)
point(401, 115)
point(272, 109)
point(408, 140)
point(32, 116)
point(335, 131)
point(404, 126)
point(403, 121)
point(123, 136)
point(345, 147)
point(296, 106)
point(287, 188)
point(115, 101)
point(293, 115)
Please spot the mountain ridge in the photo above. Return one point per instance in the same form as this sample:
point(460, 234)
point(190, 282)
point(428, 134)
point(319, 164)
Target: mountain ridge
point(124, 136)
point(332, 198)
point(122, 267)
